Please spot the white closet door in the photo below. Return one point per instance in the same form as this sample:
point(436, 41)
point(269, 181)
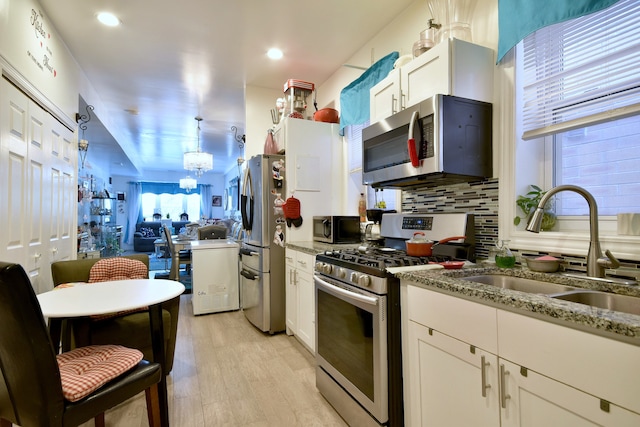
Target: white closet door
point(37, 187)
point(13, 173)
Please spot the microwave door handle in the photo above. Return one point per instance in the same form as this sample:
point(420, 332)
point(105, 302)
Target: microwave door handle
point(411, 142)
point(326, 229)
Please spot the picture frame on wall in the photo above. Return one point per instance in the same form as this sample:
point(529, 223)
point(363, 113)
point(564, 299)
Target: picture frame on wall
point(216, 201)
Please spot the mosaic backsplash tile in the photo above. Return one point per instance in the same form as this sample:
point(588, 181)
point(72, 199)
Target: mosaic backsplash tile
point(481, 199)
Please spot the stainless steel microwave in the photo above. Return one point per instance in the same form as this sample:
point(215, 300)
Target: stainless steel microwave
point(441, 140)
point(336, 229)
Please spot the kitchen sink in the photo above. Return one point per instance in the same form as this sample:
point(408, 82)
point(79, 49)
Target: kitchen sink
point(519, 284)
point(615, 302)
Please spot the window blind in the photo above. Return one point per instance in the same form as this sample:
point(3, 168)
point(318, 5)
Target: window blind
point(583, 71)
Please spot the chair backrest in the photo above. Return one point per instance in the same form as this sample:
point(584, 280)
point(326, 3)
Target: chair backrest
point(212, 232)
point(27, 358)
point(167, 235)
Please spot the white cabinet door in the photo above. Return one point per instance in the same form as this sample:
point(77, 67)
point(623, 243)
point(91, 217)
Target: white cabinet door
point(300, 300)
point(427, 75)
point(532, 400)
point(386, 97)
point(456, 383)
point(291, 301)
point(306, 301)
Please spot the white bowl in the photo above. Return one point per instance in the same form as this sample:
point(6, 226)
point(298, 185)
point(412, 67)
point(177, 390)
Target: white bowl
point(543, 265)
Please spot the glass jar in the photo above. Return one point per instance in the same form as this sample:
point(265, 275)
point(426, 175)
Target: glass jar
point(504, 256)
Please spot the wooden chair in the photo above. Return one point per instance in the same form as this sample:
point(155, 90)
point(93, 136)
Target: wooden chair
point(32, 392)
point(184, 256)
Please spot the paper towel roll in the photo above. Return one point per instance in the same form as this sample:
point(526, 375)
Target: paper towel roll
point(629, 224)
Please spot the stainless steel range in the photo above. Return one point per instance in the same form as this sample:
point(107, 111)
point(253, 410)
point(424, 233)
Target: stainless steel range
point(358, 327)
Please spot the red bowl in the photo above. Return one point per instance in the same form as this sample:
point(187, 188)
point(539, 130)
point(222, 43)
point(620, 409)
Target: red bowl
point(328, 115)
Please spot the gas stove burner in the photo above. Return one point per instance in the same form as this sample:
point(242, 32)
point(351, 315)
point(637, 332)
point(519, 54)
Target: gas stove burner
point(381, 258)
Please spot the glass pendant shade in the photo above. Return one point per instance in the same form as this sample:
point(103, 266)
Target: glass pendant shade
point(198, 162)
point(188, 183)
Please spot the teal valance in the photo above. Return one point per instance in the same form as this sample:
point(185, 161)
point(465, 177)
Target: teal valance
point(354, 99)
point(519, 18)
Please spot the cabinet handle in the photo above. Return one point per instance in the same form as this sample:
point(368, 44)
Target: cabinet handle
point(503, 387)
point(484, 364)
point(394, 101)
point(291, 277)
point(402, 101)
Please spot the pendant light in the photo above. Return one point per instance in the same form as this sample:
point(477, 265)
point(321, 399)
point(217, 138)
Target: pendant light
point(198, 161)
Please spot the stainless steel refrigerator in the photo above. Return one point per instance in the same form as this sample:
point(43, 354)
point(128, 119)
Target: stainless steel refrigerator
point(262, 280)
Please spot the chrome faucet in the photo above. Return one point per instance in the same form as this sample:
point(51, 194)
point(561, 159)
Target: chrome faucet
point(596, 263)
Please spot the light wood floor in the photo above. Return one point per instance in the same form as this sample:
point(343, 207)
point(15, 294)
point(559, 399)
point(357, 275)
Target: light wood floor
point(228, 373)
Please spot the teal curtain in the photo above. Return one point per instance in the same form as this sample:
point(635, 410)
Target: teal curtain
point(519, 18)
point(354, 99)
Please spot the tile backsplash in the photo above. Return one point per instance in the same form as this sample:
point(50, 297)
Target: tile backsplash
point(480, 198)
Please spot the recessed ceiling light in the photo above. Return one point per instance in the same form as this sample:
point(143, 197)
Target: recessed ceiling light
point(108, 19)
point(274, 53)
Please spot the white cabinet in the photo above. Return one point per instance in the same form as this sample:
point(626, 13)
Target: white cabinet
point(543, 373)
point(300, 301)
point(452, 67)
point(314, 170)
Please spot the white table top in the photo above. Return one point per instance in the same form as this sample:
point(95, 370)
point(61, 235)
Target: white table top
point(107, 297)
point(213, 244)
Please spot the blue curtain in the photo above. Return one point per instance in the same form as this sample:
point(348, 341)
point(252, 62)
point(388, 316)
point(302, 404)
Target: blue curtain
point(519, 18)
point(135, 210)
point(166, 188)
point(354, 99)
point(206, 194)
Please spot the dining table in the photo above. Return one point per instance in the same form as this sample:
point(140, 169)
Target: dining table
point(115, 296)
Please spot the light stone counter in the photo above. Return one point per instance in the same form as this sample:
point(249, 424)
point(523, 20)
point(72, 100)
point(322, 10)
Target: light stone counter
point(314, 248)
point(612, 324)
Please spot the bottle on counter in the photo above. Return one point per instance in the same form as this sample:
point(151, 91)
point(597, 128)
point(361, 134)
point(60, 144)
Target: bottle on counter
point(504, 256)
point(362, 208)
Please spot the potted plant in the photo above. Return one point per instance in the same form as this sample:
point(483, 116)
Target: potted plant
point(529, 202)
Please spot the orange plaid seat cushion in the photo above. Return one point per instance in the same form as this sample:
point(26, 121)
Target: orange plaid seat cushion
point(117, 269)
point(85, 369)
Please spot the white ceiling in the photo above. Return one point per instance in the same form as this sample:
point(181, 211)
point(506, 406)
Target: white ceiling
point(170, 61)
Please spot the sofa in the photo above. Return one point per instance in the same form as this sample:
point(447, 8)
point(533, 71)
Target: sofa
point(148, 231)
point(130, 330)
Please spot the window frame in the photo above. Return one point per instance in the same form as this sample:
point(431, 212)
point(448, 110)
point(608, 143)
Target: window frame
point(517, 170)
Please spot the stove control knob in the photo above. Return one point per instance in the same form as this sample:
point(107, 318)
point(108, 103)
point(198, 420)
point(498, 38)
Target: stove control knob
point(342, 273)
point(354, 277)
point(319, 266)
point(364, 280)
point(327, 268)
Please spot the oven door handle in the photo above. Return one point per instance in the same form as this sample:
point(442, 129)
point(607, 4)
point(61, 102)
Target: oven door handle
point(353, 295)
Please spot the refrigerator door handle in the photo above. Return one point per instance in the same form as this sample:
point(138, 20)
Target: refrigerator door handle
point(248, 252)
point(249, 275)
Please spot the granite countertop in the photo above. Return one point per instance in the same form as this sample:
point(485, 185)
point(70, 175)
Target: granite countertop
point(314, 248)
point(612, 324)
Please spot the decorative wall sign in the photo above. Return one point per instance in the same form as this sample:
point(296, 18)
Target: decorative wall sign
point(216, 201)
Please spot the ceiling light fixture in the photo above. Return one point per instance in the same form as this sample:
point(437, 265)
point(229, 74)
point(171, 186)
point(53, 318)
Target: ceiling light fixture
point(274, 53)
point(108, 19)
point(83, 144)
point(197, 161)
point(188, 183)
